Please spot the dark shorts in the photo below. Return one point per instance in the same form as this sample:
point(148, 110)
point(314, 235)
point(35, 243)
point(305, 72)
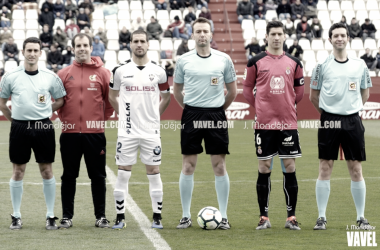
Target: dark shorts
point(209, 124)
point(270, 143)
point(348, 130)
point(28, 135)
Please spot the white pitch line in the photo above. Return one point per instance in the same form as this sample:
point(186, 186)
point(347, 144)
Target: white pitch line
point(196, 182)
point(144, 223)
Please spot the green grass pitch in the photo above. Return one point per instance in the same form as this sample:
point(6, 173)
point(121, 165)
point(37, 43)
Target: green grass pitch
point(243, 212)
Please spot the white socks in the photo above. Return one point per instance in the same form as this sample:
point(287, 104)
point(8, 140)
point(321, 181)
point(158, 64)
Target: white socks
point(121, 188)
point(155, 191)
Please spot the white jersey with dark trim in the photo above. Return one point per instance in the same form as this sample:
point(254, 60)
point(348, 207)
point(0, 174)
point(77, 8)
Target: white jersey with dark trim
point(139, 98)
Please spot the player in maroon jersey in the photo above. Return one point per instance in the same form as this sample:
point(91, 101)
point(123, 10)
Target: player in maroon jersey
point(274, 84)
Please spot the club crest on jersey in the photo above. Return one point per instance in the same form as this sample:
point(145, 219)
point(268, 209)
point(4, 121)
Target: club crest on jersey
point(157, 150)
point(277, 84)
point(214, 81)
point(151, 77)
point(287, 70)
point(92, 77)
point(41, 98)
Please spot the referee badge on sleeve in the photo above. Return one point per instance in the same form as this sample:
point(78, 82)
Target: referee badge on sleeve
point(214, 81)
point(351, 85)
point(41, 98)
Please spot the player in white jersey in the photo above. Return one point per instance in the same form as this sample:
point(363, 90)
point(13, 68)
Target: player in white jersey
point(139, 83)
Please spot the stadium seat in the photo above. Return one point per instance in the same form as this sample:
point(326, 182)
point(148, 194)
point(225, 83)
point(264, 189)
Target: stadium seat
point(351, 54)
point(153, 56)
point(326, 24)
point(325, 34)
point(110, 55)
point(310, 65)
point(123, 55)
point(32, 25)
point(148, 14)
point(123, 15)
point(317, 45)
point(111, 17)
point(370, 43)
point(361, 53)
point(335, 16)
point(135, 5)
point(247, 41)
point(372, 5)
point(349, 14)
point(295, 23)
point(123, 5)
point(323, 14)
point(43, 55)
point(19, 43)
point(321, 5)
point(348, 46)
point(162, 15)
point(136, 13)
point(260, 34)
point(333, 5)
point(322, 55)
point(197, 13)
point(359, 5)
point(110, 65)
point(32, 33)
point(19, 35)
point(308, 55)
point(270, 15)
point(113, 45)
point(96, 24)
point(59, 23)
point(10, 65)
point(112, 34)
point(42, 64)
point(18, 15)
point(247, 25)
point(174, 13)
point(328, 45)
point(260, 24)
point(164, 24)
point(374, 14)
point(69, 43)
point(191, 44)
point(289, 42)
point(372, 73)
point(356, 44)
point(31, 15)
point(20, 55)
point(346, 5)
point(248, 34)
point(304, 43)
point(111, 25)
point(148, 5)
point(361, 14)
point(98, 14)
point(154, 45)
point(166, 45)
point(178, 42)
point(2, 65)
point(125, 23)
point(18, 24)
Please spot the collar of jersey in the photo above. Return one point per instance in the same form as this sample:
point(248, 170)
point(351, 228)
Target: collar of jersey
point(275, 56)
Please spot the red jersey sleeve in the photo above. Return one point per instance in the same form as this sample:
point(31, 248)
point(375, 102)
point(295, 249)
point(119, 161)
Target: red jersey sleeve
point(299, 82)
point(108, 109)
point(250, 81)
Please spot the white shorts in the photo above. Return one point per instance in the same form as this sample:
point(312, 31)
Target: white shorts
point(126, 151)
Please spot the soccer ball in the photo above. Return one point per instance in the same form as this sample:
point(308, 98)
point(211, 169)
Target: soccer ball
point(209, 218)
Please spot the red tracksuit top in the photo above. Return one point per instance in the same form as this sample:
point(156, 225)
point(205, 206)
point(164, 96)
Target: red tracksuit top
point(87, 96)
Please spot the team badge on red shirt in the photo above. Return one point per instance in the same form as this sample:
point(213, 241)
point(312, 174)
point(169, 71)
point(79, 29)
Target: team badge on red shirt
point(92, 77)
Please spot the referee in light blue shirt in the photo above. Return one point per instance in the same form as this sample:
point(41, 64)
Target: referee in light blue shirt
point(339, 89)
point(203, 73)
point(31, 89)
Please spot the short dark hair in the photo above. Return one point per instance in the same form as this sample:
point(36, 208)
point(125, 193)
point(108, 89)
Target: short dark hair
point(337, 26)
point(81, 35)
point(31, 40)
point(201, 20)
point(275, 24)
point(139, 31)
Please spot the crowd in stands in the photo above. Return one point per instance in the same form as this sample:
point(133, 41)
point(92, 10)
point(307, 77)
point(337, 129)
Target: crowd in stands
point(308, 26)
point(78, 18)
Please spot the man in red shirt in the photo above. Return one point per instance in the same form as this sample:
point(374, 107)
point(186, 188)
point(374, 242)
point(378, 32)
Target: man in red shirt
point(83, 115)
point(274, 84)
point(178, 28)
